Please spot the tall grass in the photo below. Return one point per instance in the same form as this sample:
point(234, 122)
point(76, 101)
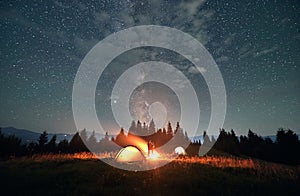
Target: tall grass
point(84, 174)
point(257, 166)
point(220, 161)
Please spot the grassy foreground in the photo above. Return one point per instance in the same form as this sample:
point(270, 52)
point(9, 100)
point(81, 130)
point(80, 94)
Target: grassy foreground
point(84, 175)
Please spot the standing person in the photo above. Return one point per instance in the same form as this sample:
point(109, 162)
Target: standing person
point(152, 147)
point(149, 147)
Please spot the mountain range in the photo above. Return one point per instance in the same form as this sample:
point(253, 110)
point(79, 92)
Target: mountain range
point(28, 136)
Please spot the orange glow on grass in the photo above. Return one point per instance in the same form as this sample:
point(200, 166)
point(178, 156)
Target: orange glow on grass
point(142, 145)
point(135, 147)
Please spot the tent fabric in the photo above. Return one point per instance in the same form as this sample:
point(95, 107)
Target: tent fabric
point(180, 151)
point(130, 154)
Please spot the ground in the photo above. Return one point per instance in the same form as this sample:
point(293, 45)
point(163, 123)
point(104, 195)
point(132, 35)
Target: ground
point(79, 175)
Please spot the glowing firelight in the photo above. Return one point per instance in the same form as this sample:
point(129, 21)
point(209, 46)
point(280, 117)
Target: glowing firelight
point(154, 155)
point(139, 142)
point(130, 154)
point(136, 147)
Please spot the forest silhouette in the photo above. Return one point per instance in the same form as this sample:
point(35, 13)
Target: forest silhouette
point(283, 150)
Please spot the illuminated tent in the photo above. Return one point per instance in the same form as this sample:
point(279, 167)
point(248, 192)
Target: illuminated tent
point(130, 154)
point(180, 151)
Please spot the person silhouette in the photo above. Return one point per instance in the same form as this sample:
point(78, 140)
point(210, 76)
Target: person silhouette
point(151, 147)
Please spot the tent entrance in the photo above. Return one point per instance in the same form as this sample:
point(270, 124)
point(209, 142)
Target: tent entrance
point(130, 154)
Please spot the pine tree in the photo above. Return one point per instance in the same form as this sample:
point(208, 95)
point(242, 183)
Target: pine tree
point(83, 135)
point(132, 128)
point(177, 128)
point(43, 139)
point(122, 132)
point(206, 140)
point(138, 128)
point(164, 131)
point(151, 127)
point(51, 146)
point(121, 138)
point(92, 141)
point(63, 146)
point(106, 136)
point(76, 144)
point(169, 130)
point(145, 129)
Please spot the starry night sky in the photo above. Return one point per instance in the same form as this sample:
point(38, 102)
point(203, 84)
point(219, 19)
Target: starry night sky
point(255, 44)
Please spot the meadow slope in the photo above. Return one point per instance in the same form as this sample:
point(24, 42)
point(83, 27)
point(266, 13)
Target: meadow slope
point(84, 175)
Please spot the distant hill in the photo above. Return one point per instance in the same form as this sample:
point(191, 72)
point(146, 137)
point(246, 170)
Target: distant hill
point(31, 136)
point(28, 136)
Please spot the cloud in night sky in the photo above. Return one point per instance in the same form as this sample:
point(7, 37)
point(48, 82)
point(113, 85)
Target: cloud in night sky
point(256, 46)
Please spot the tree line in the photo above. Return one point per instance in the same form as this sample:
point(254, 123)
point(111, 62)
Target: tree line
point(158, 136)
point(285, 149)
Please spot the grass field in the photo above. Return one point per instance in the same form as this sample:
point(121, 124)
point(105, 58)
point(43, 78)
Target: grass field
point(83, 174)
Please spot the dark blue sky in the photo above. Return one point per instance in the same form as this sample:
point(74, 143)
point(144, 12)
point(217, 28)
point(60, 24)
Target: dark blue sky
point(255, 44)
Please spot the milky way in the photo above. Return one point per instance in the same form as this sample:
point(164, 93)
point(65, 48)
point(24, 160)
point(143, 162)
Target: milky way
point(256, 46)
